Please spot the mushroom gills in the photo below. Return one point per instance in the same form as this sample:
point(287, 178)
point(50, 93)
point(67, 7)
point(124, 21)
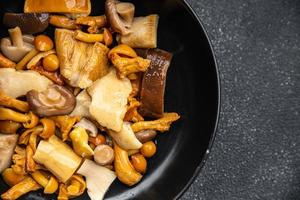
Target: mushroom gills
point(120, 15)
point(143, 33)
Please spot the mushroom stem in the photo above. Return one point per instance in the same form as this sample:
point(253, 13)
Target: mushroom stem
point(10, 102)
point(29, 120)
point(16, 36)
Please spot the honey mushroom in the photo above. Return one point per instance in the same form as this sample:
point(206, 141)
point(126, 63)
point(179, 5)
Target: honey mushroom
point(73, 188)
point(10, 102)
point(49, 182)
point(29, 120)
point(125, 59)
point(21, 188)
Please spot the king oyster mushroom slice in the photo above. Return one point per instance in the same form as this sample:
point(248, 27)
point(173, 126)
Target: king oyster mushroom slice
point(7, 146)
point(143, 33)
point(120, 15)
point(56, 100)
point(17, 46)
point(17, 83)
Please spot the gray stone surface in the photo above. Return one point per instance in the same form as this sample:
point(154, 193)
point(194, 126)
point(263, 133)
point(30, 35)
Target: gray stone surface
point(256, 154)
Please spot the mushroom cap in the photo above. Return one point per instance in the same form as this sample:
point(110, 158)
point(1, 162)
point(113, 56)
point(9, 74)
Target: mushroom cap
point(56, 100)
point(15, 53)
point(120, 15)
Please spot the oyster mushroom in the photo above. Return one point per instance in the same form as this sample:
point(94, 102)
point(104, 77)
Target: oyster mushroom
point(120, 15)
point(56, 100)
point(17, 46)
point(29, 23)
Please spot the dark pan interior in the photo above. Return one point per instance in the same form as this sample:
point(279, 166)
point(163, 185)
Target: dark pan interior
point(192, 90)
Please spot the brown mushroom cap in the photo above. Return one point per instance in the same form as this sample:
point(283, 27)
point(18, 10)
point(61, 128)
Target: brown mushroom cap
point(120, 15)
point(29, 23)
point(56, 100)
point(103, 154)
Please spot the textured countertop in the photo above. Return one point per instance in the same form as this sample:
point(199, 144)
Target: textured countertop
point(256, 154)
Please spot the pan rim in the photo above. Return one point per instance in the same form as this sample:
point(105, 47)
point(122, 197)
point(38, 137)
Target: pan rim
point(213, 135)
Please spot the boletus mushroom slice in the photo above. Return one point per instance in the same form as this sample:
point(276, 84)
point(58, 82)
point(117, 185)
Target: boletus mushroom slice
point(120, 15)
point(153, 83)
point(56, 100)
point(29, 23)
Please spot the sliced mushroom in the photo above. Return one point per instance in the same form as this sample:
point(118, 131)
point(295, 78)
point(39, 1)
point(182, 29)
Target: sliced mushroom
point(7, 146)
point(143, 33)
point(56, 100)
point(109, 100)
point(88, 126)
point(17, 46)
point(119, 15)
point(81, 7)
point(29, 23)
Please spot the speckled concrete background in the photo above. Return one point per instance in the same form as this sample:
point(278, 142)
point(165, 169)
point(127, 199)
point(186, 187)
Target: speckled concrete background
point(256, 154)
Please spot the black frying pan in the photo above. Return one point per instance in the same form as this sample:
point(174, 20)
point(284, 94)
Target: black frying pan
point(192, 90)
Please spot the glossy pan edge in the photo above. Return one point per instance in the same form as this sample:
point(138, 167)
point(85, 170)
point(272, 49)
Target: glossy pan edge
point(212, 138)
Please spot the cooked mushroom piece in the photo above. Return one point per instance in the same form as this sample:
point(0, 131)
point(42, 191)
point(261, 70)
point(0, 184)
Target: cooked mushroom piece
point(88, 126)
point(56, 100)
point(143, 32)
point(29, 23)
point(103, 154)
point(7, 146)
point(17, 83)
point(17, 46)
point(119, 15)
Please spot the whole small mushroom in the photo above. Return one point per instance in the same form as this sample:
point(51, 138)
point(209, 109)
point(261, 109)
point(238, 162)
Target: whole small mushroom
point(17, 46)
point(103, 154)
point(120, 15)
point(56, 100)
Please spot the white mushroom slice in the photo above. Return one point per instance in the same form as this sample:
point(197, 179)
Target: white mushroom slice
point(89, 126)
point(109, 100)
point(7, 146)
point(17, 83)
point(143, 33)
point(126, 138)
point(83, 102)
point(98, 179)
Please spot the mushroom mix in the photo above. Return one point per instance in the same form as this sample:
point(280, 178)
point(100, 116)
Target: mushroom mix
point(81, 108)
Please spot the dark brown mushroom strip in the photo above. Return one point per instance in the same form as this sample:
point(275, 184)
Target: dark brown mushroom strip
point(29, 23)
point(56, 100)
point(153, 84)
point(120, 15)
